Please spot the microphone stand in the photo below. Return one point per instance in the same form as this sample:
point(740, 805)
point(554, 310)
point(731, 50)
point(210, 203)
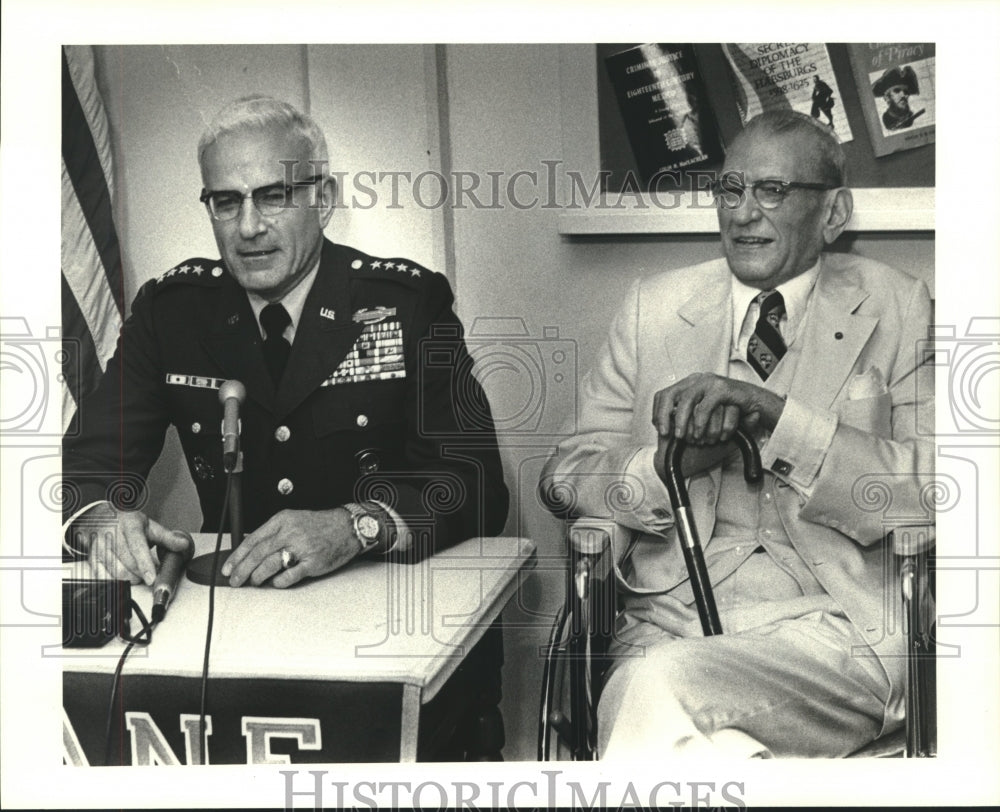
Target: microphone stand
point(207, 569)
point(236, 503)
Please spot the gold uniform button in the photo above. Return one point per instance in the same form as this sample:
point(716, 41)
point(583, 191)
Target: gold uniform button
point(195, 428)
point(285, 487)
point(356, 264)
point(362, 420)
point(217, 271)
point(282, 433)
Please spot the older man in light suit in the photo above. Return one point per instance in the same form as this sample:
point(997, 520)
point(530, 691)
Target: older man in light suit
point(817, 355)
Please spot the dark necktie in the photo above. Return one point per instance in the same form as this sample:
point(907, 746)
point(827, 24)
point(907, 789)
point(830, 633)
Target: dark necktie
point(766, 346)
point(274, 319)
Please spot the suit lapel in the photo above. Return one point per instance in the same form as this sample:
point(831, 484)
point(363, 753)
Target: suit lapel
point(234, 344)
point(833, 338)
point(698, 347)
point(321, 342)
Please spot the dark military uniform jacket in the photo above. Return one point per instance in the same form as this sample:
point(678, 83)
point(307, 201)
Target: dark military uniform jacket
point(378, 400)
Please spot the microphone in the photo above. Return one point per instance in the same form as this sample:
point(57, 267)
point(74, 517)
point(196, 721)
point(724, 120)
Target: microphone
point(231, 395)
point(172, 564)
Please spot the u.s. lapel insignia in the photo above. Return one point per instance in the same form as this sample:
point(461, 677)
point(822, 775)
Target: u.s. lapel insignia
point(327, 313)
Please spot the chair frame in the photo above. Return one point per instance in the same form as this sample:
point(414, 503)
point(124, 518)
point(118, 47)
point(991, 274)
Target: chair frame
point(577, 653)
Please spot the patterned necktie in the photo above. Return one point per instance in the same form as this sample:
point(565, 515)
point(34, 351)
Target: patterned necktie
point(766, 346)
point(274, 319)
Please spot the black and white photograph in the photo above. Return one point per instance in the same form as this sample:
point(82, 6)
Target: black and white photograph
point(385, 424)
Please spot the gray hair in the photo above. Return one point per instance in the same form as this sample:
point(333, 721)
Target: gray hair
point(261, 113)
point(827, 149)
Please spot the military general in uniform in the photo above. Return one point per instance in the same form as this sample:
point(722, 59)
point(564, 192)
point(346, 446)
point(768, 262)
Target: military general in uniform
point(364, 430)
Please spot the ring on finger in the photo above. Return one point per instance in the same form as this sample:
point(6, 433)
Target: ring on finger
point(288, 558)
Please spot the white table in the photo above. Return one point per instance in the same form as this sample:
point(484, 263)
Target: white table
point(367, 648)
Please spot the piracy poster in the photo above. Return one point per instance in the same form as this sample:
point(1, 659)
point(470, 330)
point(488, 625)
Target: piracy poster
point(896, 86)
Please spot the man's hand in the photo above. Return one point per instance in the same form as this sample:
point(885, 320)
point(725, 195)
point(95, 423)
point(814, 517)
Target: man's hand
point(118, 543)
point(320, 541)
point(705, 409)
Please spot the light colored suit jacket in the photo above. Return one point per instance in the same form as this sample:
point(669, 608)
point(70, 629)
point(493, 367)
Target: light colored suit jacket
point(865, 316)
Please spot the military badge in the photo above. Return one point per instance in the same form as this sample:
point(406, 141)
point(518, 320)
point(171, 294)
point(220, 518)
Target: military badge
point(377, 354)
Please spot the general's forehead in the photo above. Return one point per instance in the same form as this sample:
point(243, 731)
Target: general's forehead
point(258, 151)
point(273, 139)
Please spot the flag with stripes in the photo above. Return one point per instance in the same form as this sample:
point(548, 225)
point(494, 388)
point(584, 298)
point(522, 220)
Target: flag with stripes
point(92, 288)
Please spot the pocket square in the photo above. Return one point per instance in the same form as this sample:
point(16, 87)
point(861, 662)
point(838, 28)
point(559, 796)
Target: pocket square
point(867, 384)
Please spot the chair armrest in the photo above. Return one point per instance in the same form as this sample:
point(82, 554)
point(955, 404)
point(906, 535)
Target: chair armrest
point(591, 611)
point(593, 536)
point(913, 547)
point(912, 540)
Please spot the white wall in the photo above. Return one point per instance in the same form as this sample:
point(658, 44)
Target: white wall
point(378, 107)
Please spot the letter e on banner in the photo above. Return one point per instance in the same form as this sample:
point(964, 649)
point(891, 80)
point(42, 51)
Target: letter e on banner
point(259, 730)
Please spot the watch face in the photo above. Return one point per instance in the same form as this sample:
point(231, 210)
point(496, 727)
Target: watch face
point(368, 527)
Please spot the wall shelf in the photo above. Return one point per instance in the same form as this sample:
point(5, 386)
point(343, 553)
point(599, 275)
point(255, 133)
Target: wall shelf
point(875, 210)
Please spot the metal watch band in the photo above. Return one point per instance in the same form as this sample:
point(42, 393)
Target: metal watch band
point(362, 511)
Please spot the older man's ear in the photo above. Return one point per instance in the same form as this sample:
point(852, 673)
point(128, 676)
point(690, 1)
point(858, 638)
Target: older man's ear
point(841, 208)
point(327, 201)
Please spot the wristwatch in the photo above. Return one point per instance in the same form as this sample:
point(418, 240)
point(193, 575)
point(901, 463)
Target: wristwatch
point(369, 525)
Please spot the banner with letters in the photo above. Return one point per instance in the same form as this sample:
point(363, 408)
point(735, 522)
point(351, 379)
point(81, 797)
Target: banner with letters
point(252, 721)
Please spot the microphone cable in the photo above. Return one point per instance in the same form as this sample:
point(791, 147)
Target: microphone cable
point(202, 733)
point(145, 637)
point(142, 639)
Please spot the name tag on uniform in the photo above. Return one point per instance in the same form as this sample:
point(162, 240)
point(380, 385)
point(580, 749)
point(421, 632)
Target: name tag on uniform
point(377, 354)
point(197, 381)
